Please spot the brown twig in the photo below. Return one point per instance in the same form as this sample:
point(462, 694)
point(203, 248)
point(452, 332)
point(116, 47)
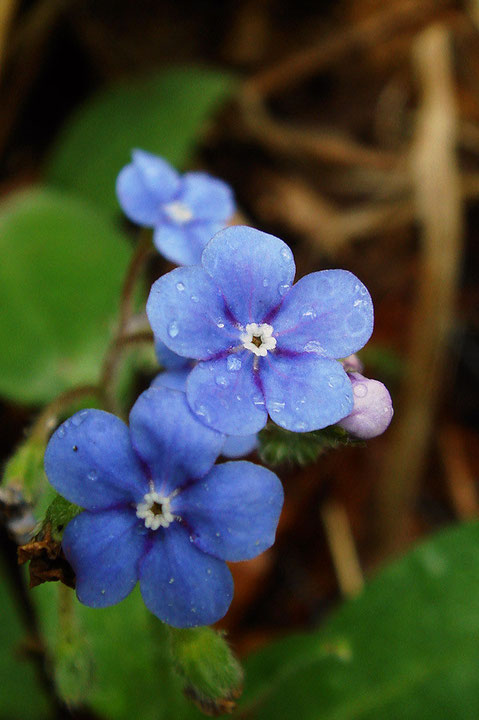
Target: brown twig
point(8, 9)
point(439, 209)
point(342, 548)
point(461, 483)
point(302, 65)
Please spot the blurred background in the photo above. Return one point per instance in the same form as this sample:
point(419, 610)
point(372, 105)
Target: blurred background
point(348, 128)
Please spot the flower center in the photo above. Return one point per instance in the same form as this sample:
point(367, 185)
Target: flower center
point(178, 212)
point(258, 338)
point(155, 510)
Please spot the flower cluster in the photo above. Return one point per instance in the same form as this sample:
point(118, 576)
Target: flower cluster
point(238, 342)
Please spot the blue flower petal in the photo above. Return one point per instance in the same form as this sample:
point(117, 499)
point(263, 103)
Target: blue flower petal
point(234, 511)
point(253, 269)
point(170, 440)
point(183, 244)
point(158, 176)
point(305, 392)
point(181, 585)
point(239, 445)
point(186, 311)
point(91, 462)
point(104, 550)
point(224, 395)
point(208, 197)
point(172, 379)
point(168, 359)
point(328, 312)
point(137, 202)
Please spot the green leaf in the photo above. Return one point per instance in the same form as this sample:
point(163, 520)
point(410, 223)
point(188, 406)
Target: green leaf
point(163, 113)
point(406, 649)
point(278, 446)
point(21, 697)
point(60, 277)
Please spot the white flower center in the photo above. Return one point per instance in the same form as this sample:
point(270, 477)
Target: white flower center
point(258, 338)
point(178, 212)
point(155, 511)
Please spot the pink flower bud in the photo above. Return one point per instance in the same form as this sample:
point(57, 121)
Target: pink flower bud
point(372, 411)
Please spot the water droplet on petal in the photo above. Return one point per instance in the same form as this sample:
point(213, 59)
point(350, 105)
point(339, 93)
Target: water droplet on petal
point(360, 390)
point(233, 363)
point(61, 432)
point(173, 329)
point(93, 475)
point(309, 313)
point(79, 418)
point(220, 323)
point(222, 381)
point(202, 411)
point(171, 580)
point(258, 400)
point(265, 282)
point(194, 298)
point(286, 254)
point(180, 286)
point(283, 289)
point(276, 407)
point(313, 346)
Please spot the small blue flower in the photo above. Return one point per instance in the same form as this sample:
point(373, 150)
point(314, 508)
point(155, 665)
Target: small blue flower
point(184, 210)
point(156, 510)
point(373, 409)
point(263, 345)
point(175, 376)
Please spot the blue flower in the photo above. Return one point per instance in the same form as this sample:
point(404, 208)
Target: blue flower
point(185, 211)
point(175, 376)
point(263, 345)
point(156, 510)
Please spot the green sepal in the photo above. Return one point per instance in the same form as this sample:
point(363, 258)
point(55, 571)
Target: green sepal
point(59, 514)
point(278, 446)
point(212, 676)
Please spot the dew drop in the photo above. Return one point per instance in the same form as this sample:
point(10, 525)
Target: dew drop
point(276, 407)
point(313, 346)
point(92, 475)
point(285, 253)
point(360, 390)
point(335, 381)
point(222, 381)
point(180, 286)
point(258, 400)
point(233, 363)
point(79, 418)
point(283, 289)
point(209, 571)
point(173, 329)
point(194, 298)
point(202, 411)
point(61, 432)
point(309, 313)
point(220, 323)
point(171, 581)
point(265, 282)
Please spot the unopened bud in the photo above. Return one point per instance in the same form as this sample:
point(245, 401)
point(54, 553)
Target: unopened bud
point(372, 411)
